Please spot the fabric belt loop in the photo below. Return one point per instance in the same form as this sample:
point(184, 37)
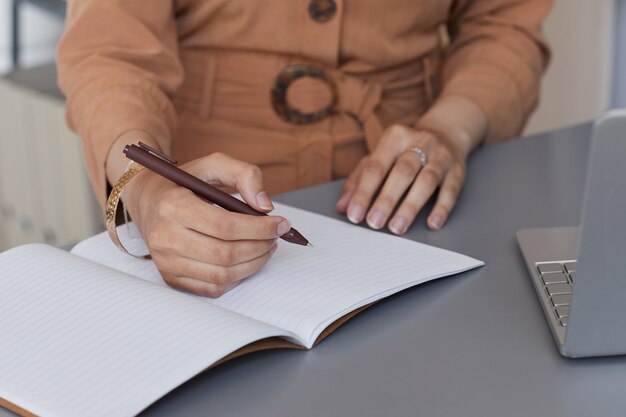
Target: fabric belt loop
point(372, 127)
point(373, 130)
point(428, 81)
point(207, 89)
point(359, 100)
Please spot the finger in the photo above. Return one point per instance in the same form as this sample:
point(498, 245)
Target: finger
point(193, 245)
point(370, 179)
point(246, 178)
point(214, 274)
point(399, 180)
point(448, 195)
point(393, 142)
point(199, 287)
point(424, 186)
point(194, 213)
point(348, 187)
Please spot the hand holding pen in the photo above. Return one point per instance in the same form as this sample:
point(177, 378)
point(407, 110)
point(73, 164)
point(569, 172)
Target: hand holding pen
point(199, 247)
point(165, 166)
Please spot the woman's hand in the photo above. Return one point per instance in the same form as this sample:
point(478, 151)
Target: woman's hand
point(197, 246)
point(405, 185)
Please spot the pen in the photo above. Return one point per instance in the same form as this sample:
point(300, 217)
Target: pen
point(165, 166)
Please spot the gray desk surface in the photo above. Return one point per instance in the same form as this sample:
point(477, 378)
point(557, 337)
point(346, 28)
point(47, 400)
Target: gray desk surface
point(471, 345)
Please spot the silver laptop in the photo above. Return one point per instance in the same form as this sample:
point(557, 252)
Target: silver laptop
point(580, 272)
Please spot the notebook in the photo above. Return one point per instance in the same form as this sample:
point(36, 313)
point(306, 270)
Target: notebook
point(96, 332)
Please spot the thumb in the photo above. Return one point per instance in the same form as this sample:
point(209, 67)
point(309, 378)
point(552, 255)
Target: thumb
point(246, 178)
point(224, 170)
point(250, 185)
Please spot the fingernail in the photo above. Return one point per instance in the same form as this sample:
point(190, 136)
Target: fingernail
point(273, 249)
point(376, 220)
point(398, 225)
point(283, 227)
point(355, 213)
point(264, 201)
point(436, 222)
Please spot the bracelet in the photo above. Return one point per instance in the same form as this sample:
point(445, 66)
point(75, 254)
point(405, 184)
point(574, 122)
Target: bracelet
point(113, 203)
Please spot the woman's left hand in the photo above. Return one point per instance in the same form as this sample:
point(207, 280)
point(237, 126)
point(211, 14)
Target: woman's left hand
point(395, 169)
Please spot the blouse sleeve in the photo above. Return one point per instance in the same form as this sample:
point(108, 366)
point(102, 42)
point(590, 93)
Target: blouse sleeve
point(496, 57)
point(118, 67)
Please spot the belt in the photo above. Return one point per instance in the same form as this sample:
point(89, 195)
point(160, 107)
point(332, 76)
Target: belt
point(262, 81)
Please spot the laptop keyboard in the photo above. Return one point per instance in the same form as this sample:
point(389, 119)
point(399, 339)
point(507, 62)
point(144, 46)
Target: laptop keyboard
point(557, 279)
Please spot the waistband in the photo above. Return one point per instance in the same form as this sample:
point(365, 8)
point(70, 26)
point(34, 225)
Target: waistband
point(236, 85)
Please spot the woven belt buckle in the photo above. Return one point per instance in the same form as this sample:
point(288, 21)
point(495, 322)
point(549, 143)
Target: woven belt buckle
point(279, 94)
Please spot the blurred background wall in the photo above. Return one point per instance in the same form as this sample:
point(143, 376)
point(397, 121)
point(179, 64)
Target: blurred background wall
point(44, 194)
point(579, 83)
point(39, 33)
point(619, 75)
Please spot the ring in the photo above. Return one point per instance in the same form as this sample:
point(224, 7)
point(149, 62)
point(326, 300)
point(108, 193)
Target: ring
point(420, 153)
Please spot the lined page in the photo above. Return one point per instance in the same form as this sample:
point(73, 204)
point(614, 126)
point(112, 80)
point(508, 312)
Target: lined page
point(81, 339)
point(304, 289)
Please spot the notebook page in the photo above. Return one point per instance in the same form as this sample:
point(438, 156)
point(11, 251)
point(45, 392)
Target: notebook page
point(304, 289)
point(80, 339)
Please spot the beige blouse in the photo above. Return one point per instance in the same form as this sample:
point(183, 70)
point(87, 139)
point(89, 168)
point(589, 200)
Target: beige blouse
point(198, 75)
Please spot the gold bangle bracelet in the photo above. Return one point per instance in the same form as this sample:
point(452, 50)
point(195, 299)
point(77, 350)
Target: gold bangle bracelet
point(113, 203)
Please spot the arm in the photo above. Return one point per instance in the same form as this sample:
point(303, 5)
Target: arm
point(118, 66)
point(490, 85)
point(496, 57)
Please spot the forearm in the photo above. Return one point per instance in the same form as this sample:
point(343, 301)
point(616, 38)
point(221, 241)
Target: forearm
point(496, 56)
point(115, 83)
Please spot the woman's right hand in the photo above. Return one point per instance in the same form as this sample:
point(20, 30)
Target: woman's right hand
point(199, 247)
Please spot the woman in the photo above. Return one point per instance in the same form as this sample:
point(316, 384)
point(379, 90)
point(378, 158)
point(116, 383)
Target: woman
point(394, 95)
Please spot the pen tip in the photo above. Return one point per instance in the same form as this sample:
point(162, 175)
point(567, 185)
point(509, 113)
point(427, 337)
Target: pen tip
point(309, 244)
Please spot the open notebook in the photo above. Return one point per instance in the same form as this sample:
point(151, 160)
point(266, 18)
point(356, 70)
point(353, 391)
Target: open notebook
point(98, 333)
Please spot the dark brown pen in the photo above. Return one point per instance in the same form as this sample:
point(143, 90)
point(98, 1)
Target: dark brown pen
point(165, 166)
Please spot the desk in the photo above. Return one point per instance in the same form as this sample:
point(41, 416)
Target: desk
point(475, 345)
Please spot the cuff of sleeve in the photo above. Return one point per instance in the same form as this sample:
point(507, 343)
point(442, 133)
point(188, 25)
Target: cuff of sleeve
point(119, 110)
point(505, 89)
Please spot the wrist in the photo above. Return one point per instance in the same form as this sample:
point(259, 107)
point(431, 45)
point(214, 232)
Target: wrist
point(112, 218)
point(457, 121)
point(116, 162)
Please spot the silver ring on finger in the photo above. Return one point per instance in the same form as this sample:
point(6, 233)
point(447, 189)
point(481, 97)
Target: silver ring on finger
point(421, 155)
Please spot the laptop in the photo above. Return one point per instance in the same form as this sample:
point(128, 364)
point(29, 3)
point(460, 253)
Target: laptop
point(579, 273)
